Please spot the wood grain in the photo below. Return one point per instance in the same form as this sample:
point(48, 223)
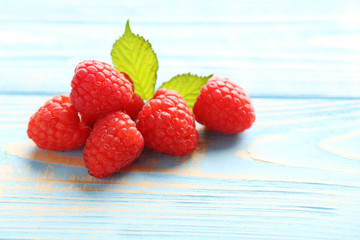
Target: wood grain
point(272, 48)
point(298, 190)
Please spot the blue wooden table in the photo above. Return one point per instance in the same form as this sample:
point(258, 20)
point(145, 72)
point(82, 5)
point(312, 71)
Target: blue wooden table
point(294, 175)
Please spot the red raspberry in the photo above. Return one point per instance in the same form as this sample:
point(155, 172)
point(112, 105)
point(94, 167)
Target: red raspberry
point(134, 107)
point(130, 80)
point(98, 88)
point(167, 124)
point(56, 126)
point(224, 107)
point(89, 120)
point(136, 103)
point(113, 144)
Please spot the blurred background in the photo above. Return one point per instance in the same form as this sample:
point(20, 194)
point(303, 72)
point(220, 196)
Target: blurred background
point(278, 48)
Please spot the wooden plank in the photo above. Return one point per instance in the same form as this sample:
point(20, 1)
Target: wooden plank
point(294, 175)
point(271, 48)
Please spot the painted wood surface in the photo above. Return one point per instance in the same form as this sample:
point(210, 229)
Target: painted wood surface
point(294, 175)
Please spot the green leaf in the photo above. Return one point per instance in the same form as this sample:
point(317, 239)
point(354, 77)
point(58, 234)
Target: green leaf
point(187, 85)
point(133, 55)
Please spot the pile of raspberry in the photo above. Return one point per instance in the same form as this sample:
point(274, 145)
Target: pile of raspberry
point(103, 113)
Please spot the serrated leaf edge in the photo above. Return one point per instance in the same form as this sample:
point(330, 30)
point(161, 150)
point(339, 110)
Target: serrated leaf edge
point(189, 96)
point(146, 91)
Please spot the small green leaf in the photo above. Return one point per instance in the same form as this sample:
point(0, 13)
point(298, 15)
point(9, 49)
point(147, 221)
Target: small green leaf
point(187, 85)
point(133, 55)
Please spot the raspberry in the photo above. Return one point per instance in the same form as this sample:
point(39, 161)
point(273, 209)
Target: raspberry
point(167, 124)
point(113, 144)
point(89, 120)
point(98, 88)
point(136, 103)
point(224, 107)
point(129, 79)
point(56, 125)
point(134, 107)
